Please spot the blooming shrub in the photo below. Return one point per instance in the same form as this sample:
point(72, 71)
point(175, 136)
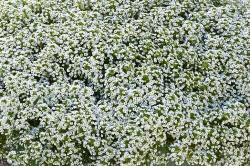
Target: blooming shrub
point(124, 82)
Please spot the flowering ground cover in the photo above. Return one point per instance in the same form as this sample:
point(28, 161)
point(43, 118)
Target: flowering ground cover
point(125, 82)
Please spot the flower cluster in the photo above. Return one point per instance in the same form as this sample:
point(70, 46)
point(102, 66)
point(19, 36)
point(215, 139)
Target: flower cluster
point(125, 82)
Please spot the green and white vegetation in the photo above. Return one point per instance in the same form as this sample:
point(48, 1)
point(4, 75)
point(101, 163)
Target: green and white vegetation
point(125, 82)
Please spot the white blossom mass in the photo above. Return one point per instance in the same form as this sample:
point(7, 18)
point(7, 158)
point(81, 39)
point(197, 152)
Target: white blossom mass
point(125, 82)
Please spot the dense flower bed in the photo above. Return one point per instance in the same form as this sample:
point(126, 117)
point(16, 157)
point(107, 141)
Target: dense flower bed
point(124, 82)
